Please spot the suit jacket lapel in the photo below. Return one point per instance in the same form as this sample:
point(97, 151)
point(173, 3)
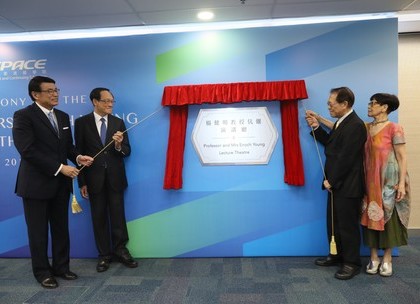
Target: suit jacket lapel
point(94, 129)
point(45, 119)
point(112, 127)
point(60, 122)
point(337, 130)
point(346, 120)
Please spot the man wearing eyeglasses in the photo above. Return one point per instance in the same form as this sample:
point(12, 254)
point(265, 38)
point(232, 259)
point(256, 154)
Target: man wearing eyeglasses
point(343, 178)
point(43, 137)
point(101, 133)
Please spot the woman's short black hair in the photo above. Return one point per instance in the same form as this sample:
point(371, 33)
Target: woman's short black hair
point(390, 100)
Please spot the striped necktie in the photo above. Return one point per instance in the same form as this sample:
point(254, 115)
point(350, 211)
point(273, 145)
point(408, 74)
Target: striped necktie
point(52, 121)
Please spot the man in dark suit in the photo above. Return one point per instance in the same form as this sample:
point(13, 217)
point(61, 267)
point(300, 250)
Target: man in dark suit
point(344, 180)
point(105, 181)
point(43, 137)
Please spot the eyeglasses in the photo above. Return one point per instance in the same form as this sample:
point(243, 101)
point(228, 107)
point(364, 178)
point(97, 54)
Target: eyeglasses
point(332, 104)
point(51, 91)
point(372, 103)
point(111, 101)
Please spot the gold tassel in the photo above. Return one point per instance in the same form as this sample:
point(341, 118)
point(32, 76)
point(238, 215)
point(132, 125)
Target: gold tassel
point(75, 207)
point(333, 246)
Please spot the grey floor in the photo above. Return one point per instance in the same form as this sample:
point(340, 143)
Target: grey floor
point(217, 280)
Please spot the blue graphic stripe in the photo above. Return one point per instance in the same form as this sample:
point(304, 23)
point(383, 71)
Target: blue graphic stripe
point(331, 49)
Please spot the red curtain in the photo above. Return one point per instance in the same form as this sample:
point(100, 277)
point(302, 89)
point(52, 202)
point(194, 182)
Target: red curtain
point(292, 153)
point(179, 97)
point(176, 143)
point(234, 92)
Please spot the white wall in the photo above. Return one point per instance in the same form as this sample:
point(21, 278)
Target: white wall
point(409, 113)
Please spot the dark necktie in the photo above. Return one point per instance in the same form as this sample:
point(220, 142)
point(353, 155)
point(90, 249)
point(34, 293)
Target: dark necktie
point(52, 121)
point(103, 131)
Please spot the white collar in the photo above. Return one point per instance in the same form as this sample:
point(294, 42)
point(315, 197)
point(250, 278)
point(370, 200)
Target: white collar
point(343, 117)
point(99, 117)
point(44, 109)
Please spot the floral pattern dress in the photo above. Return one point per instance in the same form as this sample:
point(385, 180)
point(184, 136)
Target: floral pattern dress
point(382, 176)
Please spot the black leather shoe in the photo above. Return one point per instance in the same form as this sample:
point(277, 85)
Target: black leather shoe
point(347, 272)
point(103, 265)
point(328, 261)
point(68, 275)
point(49, 283)
point(127, 260)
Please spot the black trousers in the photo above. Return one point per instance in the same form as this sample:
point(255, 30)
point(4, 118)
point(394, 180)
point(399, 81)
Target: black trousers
point(109, 223)
point(48, 215)
point(346, 221)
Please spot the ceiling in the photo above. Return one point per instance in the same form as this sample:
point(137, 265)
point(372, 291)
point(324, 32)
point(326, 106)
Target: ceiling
point(20, 16)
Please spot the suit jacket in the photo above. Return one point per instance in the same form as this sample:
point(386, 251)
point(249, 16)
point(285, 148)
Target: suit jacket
point(110, 162)
point(42, 151)
point(344, 156)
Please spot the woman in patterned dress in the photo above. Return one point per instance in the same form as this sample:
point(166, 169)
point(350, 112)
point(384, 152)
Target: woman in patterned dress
point(386, 205)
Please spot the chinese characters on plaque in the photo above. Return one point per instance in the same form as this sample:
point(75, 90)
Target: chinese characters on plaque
point(234, 136)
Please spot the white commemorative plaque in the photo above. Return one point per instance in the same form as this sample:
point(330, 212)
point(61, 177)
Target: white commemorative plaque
point(234, 136)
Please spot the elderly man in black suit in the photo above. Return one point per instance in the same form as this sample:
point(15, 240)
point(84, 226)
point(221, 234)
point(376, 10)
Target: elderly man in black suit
point(42, 135)
point(105, 181)
point(344, 179)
